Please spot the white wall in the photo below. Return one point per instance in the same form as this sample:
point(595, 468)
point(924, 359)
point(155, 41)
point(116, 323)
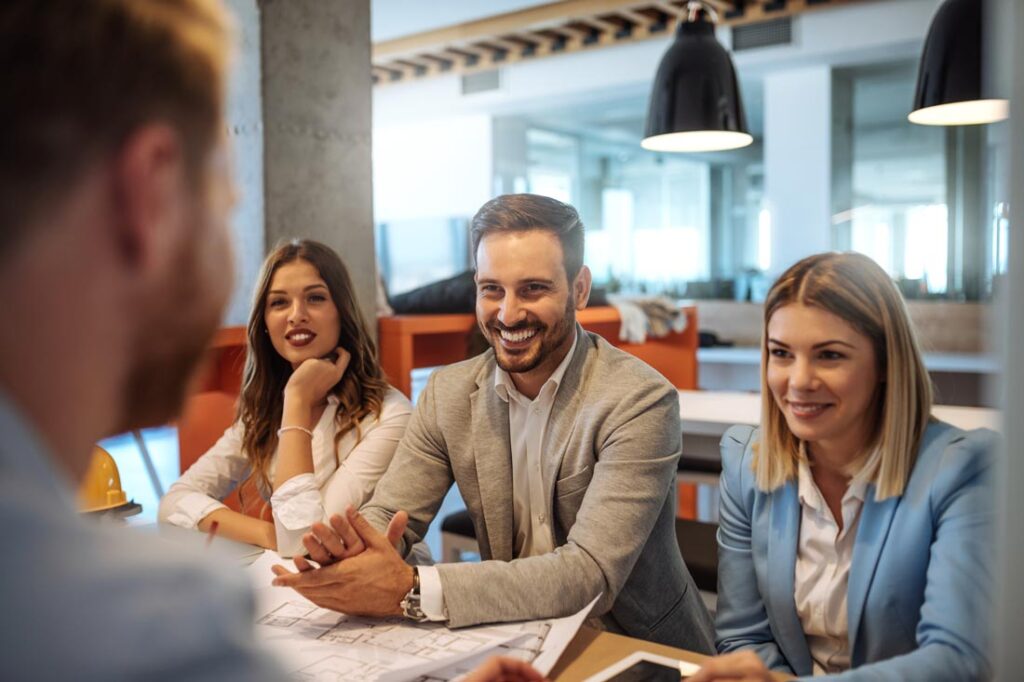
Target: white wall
point(431, 169)
point(798, 163)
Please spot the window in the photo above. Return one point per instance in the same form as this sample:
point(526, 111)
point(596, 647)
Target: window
point(656, 223)
point(910, 196)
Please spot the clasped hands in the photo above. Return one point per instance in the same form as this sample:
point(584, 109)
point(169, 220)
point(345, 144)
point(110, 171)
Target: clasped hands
point(361, 572)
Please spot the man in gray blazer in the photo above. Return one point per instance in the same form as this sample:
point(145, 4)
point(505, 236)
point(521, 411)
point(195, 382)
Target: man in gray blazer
point(564, 449)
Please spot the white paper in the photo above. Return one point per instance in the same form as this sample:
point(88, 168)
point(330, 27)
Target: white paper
point(539, 642)
point(319, 644)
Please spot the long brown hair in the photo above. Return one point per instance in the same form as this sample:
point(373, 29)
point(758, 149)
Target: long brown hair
point(853, 287)
point(360, 391)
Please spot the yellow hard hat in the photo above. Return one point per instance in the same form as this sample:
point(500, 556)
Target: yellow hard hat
point(101, 486)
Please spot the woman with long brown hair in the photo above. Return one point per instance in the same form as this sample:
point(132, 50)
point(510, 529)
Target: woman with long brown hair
point(317, 423)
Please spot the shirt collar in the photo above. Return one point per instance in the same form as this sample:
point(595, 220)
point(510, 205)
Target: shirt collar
point(810, 495)
point(506, 388)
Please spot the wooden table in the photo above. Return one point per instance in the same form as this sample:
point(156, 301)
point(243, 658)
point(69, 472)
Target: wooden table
point(592, 651)
point(408, 342)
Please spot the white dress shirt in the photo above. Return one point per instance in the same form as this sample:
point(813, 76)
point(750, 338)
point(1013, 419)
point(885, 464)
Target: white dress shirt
point(363, 455)
point(823, 561)
point(531, 513)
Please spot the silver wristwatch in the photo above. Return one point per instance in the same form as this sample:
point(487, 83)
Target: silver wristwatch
point(411, 608)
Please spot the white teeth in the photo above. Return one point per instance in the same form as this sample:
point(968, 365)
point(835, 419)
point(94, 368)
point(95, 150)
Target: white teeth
point(517, 337)
point(807, 409)
point(301, 337)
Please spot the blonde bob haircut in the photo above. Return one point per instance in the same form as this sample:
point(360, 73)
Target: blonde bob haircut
point(854, 288)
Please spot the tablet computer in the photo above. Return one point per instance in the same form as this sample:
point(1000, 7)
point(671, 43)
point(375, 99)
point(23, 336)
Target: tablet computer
point(642, 666)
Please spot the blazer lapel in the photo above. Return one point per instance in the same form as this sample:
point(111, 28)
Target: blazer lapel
point(564, 413)
point(783, 536)
point(492, 452)
point(875, 520)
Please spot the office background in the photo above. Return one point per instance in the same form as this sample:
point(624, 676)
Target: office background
point(391, 181)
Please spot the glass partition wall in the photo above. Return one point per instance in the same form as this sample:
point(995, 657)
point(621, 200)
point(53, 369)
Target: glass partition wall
point(919, 200)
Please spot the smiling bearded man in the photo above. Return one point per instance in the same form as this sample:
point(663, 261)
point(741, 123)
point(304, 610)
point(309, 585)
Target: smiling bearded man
point(564, 449)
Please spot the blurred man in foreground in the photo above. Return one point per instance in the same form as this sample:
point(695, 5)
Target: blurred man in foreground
point(115, 194)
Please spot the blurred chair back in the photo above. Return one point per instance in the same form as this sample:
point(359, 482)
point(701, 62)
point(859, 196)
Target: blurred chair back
point(205, 418)
point(698, 543)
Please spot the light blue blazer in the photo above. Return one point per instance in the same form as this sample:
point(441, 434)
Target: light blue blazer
point(920, 592)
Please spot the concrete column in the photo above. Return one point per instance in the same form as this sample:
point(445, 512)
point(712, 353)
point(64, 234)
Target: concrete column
point(797, 163)
point(245, 130)
point(316, 113)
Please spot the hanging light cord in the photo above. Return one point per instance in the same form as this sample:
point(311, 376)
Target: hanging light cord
point(695, 6)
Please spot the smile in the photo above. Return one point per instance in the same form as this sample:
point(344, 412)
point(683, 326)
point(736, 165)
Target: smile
point(520, 336)
point(807, 410)
point(299, 338)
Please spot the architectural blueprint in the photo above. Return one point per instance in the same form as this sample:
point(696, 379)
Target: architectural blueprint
point(320, 644)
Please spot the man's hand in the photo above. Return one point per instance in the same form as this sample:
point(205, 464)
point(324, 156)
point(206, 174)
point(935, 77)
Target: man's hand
point(741, 666)
point(504, 669)
point(329, 545)
point(372, 583)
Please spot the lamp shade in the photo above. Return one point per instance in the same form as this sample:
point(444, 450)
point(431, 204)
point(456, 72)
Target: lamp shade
point(695, 104)
point(949, 81)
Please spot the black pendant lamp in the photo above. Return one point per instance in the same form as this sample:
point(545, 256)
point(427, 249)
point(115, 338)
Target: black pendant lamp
point(949, 82)
point(695, 104)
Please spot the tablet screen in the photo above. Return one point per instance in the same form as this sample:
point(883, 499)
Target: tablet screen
point(647, 671)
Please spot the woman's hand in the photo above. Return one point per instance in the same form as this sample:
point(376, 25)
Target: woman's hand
point(311, 381)
point(743, 666)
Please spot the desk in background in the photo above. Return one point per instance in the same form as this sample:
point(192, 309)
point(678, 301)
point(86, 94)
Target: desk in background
point(958, 378)
point(706, 415)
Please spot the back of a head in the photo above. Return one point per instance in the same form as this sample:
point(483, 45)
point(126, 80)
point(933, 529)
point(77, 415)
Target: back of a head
point(79, 76)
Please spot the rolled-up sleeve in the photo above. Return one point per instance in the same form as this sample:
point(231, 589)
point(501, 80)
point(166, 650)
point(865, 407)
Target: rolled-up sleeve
point(297, 505)
point(199, 491)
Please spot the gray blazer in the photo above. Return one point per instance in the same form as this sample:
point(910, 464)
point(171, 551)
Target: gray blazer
point(613, 444)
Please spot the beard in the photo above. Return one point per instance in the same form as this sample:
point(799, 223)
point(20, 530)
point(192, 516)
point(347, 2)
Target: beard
point(177, 325)
point(551, 339)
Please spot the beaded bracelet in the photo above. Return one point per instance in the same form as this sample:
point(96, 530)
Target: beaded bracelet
point(294, 428)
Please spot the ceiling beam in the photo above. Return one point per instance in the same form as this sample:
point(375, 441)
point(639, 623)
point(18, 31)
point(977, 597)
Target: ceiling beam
point(556, 28)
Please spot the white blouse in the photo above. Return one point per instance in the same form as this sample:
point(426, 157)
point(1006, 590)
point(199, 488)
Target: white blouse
point(823, 559)
point(302, 500)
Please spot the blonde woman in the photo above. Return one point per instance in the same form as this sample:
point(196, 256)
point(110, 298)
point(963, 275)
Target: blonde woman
point(855, 535)
point(317, 423)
